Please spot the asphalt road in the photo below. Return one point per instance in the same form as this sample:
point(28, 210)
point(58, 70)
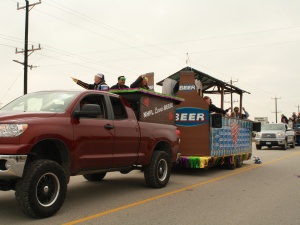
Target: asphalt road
point(267, 193)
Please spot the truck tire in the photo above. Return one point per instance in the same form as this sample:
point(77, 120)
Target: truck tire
point(42, 189)
point(239, 164)
point(157, 174)
point(293, 144)
point(258, 147)
point(284, 147)
point(94, 176)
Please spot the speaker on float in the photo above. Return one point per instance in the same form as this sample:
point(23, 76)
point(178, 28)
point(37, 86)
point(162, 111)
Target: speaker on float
point(256, 126)
point(216, 120)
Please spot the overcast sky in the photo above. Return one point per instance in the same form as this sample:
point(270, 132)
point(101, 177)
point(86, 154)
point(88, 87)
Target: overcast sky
point(256, 43)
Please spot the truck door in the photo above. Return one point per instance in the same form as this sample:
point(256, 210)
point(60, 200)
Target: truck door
point(93, 137)
point(290, 134)
point(126, 134)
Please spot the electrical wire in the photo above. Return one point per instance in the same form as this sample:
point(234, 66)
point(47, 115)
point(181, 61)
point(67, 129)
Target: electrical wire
point(152, 45)
point(7, 45)
point(11, 86)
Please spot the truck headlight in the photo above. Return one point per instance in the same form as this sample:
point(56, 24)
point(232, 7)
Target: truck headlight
point(12, 130)
point(258, 135)
point(280, 135)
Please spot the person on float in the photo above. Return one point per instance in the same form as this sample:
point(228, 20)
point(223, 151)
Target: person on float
point(99, 83)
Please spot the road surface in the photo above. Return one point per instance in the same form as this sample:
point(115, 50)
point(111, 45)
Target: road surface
point(267, 193)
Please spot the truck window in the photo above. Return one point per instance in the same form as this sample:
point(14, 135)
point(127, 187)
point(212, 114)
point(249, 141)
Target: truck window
point(41, 102)
point(118, 108)
point(93, 99)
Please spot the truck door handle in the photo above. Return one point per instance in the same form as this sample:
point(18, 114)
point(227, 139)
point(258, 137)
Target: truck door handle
point(109, 127)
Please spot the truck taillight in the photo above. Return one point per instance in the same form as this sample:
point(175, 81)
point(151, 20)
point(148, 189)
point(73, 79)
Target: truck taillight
point(178, 132)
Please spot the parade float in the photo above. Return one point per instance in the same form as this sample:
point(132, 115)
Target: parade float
point(208, 140)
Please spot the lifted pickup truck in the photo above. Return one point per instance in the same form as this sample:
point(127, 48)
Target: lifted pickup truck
point(275, 134)
point(46, 137)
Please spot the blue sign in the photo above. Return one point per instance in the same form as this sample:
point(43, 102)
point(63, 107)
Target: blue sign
point(104, 87)
point(191, 117)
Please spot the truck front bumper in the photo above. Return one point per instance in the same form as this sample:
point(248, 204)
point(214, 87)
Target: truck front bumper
point(270, 142)
point(12, 166)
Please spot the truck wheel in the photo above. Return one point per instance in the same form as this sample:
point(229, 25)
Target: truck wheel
point(239, 164)
point(157, 174)
point(258, 147)
point(42, 189)
point(232, 166)
point(293, 144)
point(284, 147)
point(94, 176)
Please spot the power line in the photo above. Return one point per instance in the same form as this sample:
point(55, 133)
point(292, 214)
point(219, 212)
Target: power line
point(201, 66)
point(249, 46)
point(77, 64)
point(133, 37)
point(87, 18)
point(2, 96)
point(7, 45)
point(72, 55)
point(106, 26)
point(208, 38)
point(92, 31)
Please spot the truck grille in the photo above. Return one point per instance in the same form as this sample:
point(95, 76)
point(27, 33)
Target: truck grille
point(268, 135)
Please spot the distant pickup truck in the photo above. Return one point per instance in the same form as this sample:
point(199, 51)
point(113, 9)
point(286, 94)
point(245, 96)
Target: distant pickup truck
point(46, 137)
point(275, 134)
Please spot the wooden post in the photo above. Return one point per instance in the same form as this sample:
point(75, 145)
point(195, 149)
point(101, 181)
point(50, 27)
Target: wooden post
point(150, 82)
point(241, 105)
point(222, 97)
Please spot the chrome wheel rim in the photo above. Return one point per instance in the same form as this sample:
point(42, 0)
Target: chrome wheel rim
point(47, 189)
point(162, 169)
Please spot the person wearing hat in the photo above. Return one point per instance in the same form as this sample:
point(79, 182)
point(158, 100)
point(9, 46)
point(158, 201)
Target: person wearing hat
point(140, 82)
point(99, 83)
point(121, 83)
point(284, 119)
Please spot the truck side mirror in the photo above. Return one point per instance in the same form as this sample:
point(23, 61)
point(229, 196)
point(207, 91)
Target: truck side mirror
point(216, 120)
point(256, 126)
point(88, 110)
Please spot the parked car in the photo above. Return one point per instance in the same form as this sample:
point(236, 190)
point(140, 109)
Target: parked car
point(275, 134)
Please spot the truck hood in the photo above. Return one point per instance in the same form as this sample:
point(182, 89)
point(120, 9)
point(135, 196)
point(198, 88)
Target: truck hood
point(13, 117)
point(272, 131)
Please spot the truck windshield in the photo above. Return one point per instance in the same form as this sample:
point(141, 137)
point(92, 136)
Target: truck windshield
point(272, 127)
point(42, 102)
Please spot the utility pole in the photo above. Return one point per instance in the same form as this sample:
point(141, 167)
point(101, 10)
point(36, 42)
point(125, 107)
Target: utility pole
point(276, 112)
point(25, 51)
point(231, 100)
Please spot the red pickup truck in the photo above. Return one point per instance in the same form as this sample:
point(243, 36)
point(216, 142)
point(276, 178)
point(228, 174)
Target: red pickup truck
point(46, 137)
